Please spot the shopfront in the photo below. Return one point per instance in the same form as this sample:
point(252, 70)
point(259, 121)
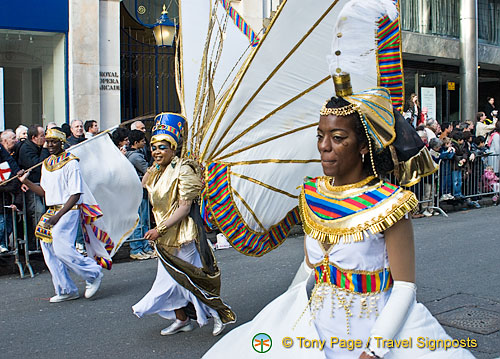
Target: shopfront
point(33, 62)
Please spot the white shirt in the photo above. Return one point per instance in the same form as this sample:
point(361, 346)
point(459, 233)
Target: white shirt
point(62, 183)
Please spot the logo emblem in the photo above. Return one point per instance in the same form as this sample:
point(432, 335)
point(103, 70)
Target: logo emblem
point(262, 343)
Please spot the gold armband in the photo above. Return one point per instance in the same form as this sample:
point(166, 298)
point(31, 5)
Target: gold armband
point(161, 229)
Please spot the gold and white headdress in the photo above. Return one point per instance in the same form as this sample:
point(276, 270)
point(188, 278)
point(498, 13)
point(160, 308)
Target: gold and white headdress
point(55, 134)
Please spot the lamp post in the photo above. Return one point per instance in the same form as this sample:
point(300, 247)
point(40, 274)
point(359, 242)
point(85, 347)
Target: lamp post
point(164, 30)
point(164, 33)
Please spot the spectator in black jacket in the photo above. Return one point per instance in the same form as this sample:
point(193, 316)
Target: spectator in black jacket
point(31, 153)
point(77, 133)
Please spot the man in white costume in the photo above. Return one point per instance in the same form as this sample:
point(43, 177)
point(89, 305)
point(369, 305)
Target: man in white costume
point(64, 190)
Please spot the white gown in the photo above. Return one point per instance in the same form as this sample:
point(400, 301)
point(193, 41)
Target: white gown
point(166, 294)
point(280, 318)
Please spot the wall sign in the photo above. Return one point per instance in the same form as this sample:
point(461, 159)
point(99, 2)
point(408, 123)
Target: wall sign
point(109, 81)
point(428, 99)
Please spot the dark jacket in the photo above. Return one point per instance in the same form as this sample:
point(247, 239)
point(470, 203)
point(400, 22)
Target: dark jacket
point(460, 153)
point(5, 156)
point(71, 141)
point(15, 151)
point(488, 109)
point(31, 154)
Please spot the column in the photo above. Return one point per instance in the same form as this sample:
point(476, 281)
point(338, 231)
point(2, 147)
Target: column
point(83, 55)
point(468, 60)
point(109, 69)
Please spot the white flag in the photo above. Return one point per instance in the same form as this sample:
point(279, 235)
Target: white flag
point(114, 184)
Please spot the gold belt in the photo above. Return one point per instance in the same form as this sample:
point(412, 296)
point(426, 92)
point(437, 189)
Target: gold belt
point(58, 207)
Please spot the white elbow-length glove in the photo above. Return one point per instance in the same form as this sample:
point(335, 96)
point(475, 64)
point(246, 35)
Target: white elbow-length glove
point(393, 316)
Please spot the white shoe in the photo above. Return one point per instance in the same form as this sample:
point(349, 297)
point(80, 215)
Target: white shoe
point(178, 326)
point(3, 249)
point(427, 213)
point(64, 297)
point(140, 256)
point(91, 288)
point(218, 326)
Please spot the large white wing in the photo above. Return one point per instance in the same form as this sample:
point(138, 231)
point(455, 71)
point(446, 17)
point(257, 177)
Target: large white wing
point(259, 140)
point(211, 49)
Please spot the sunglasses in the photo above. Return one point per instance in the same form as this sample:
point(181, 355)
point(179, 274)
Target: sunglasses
point(160, 147)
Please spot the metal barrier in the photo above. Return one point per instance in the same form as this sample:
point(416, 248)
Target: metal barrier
point(426, 192)
point(17, 225)
point(472, 180)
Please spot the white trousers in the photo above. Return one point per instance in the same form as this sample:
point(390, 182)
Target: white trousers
point(61, 255)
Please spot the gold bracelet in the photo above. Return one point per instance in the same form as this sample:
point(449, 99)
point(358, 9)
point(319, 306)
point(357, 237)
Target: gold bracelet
point(161, 229)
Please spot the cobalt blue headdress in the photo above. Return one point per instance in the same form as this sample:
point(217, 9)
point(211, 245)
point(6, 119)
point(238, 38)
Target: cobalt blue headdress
point(168, 127)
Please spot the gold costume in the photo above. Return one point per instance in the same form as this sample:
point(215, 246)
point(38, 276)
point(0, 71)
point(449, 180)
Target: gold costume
point(180, 181)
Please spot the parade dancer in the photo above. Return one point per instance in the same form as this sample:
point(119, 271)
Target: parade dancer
point(187, 284)
point(359, 244)
point(66, 197)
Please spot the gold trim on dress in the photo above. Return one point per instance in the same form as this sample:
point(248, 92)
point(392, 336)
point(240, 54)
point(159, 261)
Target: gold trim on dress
point(265, 185)
point(56, 166)
point(327, 181)
point(322, 231)
point(58, 207)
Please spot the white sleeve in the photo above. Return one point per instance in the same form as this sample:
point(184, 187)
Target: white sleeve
point(73, 178)
point(393, 316)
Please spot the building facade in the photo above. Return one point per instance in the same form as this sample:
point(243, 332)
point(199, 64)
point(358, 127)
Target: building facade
point(58, 60)
point(97, 59)
point(451, 53)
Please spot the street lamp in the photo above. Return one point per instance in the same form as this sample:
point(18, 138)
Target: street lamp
point(164, 30)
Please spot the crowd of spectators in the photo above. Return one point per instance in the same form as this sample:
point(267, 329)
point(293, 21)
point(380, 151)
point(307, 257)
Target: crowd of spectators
point(468, 155)
point(463, 150)
point(25, 147)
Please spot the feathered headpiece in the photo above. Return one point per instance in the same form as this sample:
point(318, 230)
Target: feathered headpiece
point(355, 52)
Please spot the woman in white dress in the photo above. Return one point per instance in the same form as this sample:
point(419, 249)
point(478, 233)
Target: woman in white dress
point(359, 244)
point(187, 284)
